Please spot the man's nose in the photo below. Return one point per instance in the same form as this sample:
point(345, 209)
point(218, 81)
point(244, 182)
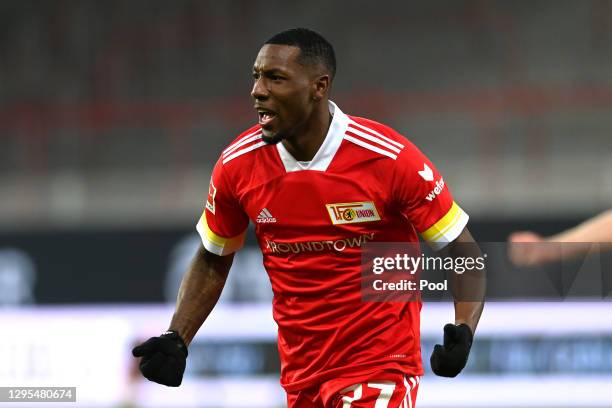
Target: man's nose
point(259, 91)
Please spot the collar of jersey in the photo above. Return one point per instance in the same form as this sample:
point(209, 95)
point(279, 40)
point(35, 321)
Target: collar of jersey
point(328, 149)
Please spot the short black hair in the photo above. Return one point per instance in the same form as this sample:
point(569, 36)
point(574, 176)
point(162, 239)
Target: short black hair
point(314, 48)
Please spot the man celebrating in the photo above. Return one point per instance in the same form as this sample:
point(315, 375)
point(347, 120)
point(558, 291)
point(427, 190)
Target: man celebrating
point(318, 184)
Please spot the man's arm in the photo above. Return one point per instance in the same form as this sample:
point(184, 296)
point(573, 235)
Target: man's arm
point(163, 358)
point(597, 229)
point(468, 288)
point(199, 292)
point(526, 248)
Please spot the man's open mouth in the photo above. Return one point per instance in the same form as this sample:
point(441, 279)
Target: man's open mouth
point(265, 116)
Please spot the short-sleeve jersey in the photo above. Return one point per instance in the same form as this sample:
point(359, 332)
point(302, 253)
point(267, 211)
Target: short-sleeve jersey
point(366, 183)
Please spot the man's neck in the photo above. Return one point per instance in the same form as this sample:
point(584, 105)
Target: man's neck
point(305, 143)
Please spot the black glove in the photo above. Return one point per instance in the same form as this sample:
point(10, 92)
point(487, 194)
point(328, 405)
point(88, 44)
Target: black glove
point(449, 360)
point(163, 358)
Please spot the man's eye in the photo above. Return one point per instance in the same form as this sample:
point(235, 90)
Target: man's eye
point(276, 78)
point(255, 75)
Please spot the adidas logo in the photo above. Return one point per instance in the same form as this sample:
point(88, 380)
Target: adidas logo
point(265, 216)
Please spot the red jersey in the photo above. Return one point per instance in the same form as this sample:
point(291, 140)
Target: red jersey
point(366, 183)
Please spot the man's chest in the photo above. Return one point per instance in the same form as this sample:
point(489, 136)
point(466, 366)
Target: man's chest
point(316, 203)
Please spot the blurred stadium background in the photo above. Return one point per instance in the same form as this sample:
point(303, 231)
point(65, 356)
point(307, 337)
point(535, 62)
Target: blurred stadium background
point(113, 113)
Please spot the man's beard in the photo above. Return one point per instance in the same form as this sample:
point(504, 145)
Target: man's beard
point(276, 139)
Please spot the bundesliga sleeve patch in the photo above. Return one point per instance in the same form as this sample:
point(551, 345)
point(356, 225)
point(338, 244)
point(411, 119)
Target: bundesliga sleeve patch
point(350, 213)
point(210, 200)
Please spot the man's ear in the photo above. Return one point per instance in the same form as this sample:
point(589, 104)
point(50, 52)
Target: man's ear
point(321, 87)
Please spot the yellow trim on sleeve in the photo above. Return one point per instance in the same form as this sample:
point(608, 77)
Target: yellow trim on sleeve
point(443, 225)
point(218, 244)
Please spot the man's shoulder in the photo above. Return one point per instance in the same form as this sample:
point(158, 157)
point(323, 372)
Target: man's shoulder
point(377, 128)
point(245, 143)
point(376, 137)
point(252, 131)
